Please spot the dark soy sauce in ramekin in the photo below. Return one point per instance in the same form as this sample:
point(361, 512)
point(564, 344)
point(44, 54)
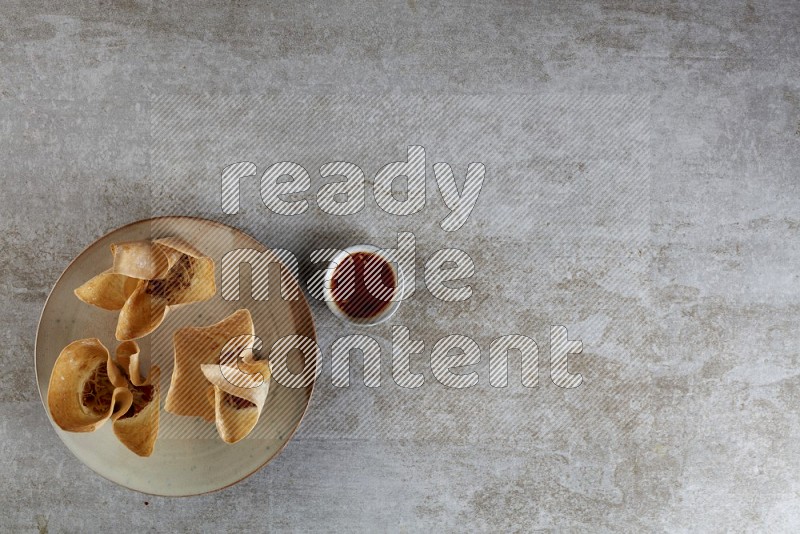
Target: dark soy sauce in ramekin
point(357, 296)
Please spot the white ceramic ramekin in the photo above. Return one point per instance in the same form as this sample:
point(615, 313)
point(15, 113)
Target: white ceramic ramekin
point(327, 291)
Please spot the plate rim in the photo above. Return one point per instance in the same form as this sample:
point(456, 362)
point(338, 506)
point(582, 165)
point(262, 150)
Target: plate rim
point(303, 299)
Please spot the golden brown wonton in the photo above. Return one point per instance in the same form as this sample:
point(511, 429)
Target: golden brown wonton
point(216, 376)
point(88, 387)
point(147, 277)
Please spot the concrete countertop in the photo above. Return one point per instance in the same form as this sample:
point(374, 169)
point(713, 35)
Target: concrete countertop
point(641, 190)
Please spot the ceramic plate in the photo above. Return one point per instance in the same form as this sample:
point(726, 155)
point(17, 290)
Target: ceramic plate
point(189, 457)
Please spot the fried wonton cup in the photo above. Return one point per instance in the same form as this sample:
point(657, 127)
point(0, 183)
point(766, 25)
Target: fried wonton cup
point(147, 277)
point(87, 388)
point(217, 377)
point(195, 346)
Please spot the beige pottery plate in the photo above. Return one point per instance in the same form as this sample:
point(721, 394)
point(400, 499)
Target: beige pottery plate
point(189, 457)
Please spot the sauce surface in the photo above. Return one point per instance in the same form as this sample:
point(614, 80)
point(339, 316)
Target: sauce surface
point(363, 285)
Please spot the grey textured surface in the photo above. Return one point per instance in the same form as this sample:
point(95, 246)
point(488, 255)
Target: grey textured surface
point(708, 438)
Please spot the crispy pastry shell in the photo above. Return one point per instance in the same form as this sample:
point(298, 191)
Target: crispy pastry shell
point(236, 419)
point(76, 365)
point(140, 431)
point(88, 359)
point(146, 278)
point(195, 346)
